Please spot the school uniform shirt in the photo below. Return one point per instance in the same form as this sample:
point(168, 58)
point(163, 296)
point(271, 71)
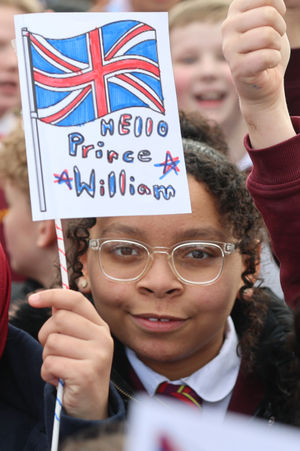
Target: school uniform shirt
point(213, 383)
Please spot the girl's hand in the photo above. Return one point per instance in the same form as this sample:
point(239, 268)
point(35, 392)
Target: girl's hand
point(78, 348)
point(256, 47)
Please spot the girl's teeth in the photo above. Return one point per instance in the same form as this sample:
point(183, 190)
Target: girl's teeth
point(164, 320)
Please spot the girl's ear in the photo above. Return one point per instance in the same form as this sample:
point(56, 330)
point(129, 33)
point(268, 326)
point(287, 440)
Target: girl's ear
point(83, 282)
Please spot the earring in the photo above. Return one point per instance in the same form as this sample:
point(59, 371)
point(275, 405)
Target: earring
point(83, 283)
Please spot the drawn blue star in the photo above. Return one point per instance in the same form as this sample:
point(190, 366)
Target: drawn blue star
point(170, 164)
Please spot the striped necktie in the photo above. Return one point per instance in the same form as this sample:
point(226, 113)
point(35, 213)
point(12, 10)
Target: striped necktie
point(181, 392)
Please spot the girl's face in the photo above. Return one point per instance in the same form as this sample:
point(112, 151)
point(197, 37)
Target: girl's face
point(202, 76)
point(173, 327)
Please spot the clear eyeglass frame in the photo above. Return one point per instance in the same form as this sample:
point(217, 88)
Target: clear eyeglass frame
point(226, 249)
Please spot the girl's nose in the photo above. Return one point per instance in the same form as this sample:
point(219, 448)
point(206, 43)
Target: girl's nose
point(160, 279)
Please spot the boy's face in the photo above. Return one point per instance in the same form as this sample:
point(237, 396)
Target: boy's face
point(9, 79)
point(202, 76)
point(19, 231)
point(173, 327)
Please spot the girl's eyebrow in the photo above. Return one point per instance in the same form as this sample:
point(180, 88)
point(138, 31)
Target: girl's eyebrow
point(197, 233)
point(120, 228)
point(202, 233)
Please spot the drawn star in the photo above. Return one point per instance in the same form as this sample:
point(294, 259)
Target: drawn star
point(64, 178)
point(170, 164)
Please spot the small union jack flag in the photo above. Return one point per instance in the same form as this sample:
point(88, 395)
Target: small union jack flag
point(82, 78)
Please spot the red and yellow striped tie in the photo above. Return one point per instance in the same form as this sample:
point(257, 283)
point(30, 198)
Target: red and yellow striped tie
point(181, 392)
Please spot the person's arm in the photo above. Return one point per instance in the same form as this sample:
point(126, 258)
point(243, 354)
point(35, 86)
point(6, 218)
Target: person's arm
point(257, 49)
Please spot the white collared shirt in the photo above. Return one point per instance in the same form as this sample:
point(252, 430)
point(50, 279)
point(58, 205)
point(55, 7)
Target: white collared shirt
point(213, 382)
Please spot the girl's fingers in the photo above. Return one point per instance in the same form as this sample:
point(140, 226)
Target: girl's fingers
point(60, 299)
point(99, 349)
point(66, 322)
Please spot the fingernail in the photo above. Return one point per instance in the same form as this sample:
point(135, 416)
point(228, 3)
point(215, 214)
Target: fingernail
point(34, 298)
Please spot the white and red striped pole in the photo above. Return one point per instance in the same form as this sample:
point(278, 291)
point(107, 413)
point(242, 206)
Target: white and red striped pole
point(65, 285)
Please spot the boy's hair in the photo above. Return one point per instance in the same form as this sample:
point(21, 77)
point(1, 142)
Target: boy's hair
point(190, 11)
point(13, 163)
point(27, 6)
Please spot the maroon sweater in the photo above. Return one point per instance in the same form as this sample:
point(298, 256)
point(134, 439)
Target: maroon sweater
point(274, 184)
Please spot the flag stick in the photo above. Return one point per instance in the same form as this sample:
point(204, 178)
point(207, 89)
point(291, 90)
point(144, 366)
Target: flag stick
point(65, 284)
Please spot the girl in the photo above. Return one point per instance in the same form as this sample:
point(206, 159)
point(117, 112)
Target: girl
point(177, 294)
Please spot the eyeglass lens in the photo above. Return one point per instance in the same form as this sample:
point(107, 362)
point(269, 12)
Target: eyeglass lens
point(193, 262)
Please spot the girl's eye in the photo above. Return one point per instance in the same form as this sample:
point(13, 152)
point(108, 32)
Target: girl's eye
point(125, 251)
point(197, 254)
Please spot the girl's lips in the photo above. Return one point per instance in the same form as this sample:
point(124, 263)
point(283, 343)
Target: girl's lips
point(156, 323)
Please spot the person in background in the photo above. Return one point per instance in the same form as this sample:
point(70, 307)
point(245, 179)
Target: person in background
point(257, 49)
point(32, 245)
point(9, 79)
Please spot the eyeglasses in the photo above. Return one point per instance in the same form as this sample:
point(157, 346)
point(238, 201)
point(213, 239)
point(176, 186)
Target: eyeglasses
point(193, 262)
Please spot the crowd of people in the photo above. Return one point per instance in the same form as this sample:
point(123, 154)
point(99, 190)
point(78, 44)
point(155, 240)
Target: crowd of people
point(207, 303)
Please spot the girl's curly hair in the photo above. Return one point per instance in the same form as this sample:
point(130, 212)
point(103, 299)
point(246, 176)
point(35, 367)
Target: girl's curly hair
point(239, 216)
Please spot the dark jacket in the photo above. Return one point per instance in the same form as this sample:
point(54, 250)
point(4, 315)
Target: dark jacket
point(21, 395)
point(267, 392)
